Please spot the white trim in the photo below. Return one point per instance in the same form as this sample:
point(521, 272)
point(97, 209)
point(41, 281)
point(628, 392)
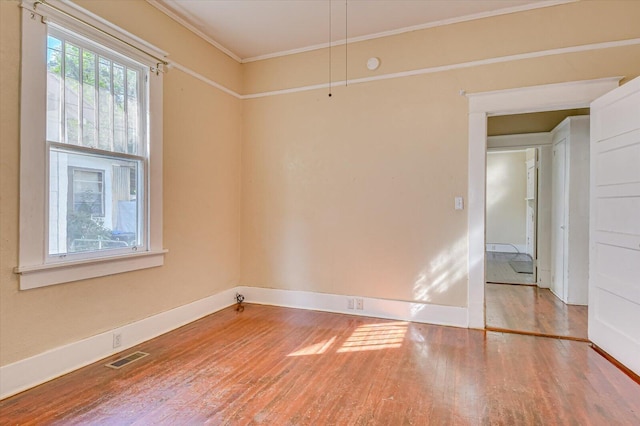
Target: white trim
point(57, 273)
point(577, 94)
point(204, 79)
point(171, 14)
point(373, 307)
point(548, 97)
point(505, 247)
point(398, 31)
point(440, 23)
point(476, 220)
point(421, 71)
point(442, 68)
point(29, 372)
point(521, 141)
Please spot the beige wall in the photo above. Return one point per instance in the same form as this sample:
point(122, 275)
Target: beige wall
point(201, 197)
point(506, 192)
point(354, 194)
point(348, 195)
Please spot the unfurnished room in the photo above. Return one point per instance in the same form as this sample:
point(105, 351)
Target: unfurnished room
point(320, 212)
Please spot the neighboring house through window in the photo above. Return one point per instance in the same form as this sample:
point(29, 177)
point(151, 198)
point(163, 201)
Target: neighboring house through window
point(86, 192)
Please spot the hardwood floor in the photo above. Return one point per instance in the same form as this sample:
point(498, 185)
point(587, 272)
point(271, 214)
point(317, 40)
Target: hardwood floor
point(279, 366)
point(534, 310)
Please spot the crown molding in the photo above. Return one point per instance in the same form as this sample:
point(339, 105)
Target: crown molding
point(185, 23)
point(161, 6)
point(443, 22)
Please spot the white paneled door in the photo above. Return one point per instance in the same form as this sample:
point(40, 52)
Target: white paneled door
point(614, 258)
point(559, 220)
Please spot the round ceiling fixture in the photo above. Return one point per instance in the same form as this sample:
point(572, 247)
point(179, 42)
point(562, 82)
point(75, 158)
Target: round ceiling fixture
point(373, 64)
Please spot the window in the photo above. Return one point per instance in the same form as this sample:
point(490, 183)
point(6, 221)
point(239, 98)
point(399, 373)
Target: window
point(91, 148)
point(86, 193)
point(95, 129)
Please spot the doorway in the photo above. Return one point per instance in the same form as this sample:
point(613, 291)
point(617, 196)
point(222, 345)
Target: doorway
point(511, 215)
point(526, 206)
point(513, 101)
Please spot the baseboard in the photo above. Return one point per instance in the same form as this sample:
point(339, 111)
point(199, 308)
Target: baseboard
point(506, 248)
point(38, 369)
point(372, 307)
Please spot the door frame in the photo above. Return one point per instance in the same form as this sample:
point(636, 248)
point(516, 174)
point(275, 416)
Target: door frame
point(550, 97)
point(531, 233)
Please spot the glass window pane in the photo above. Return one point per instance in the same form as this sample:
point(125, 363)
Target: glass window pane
point(91, 100)
point(119, 131)
point(105, 105)
point(89, 110)
point(72, 93)
point(132, 111)
point(94, 202)
point(54, 89)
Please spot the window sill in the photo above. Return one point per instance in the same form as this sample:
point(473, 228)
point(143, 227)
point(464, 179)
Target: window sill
point(58, 273)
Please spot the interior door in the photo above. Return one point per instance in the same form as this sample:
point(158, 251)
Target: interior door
point(558, 216)
point(614, 248)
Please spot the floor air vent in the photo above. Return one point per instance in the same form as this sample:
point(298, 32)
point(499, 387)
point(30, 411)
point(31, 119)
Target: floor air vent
point(119, 363)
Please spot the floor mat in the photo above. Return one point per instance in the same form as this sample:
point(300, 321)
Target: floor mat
point(522, 266)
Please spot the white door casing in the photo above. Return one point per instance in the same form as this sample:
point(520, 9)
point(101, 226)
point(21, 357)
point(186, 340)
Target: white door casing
point(575, 94)
point(614, 249)
point(532, 199)
point(532, 209)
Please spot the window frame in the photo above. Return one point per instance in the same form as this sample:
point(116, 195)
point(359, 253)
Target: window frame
point(71, 197)
point(35, 268)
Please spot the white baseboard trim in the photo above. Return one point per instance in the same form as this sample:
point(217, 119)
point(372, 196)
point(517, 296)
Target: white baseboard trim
point(38, 369)
point(373, 307)
point(506, 248)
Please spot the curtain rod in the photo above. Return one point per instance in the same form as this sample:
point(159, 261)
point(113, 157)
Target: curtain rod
point(161, 61)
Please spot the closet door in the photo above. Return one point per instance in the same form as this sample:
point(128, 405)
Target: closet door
point(614, 249)
point(558, 219)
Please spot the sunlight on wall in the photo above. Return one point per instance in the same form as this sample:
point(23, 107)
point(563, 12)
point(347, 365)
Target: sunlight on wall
point(372, 337)
point(449, 266)
point(315, 349)
point(505, 197)
point(496, 175)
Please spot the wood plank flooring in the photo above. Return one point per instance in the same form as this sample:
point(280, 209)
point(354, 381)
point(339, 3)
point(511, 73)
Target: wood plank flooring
point(278, 366)
point(533, 309)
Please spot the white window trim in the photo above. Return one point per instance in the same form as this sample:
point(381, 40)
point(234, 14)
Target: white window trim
point(32, 268)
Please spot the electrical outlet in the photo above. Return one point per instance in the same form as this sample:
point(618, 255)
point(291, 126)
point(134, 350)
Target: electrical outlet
point(350, 303)
point(359, 303)
point(117, 340)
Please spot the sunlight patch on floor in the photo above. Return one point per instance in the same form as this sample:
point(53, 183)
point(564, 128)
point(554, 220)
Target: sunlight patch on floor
point(315, 349)
point(371, 337)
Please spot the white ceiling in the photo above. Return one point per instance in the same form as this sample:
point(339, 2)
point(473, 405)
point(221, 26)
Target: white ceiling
point(255, 29)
